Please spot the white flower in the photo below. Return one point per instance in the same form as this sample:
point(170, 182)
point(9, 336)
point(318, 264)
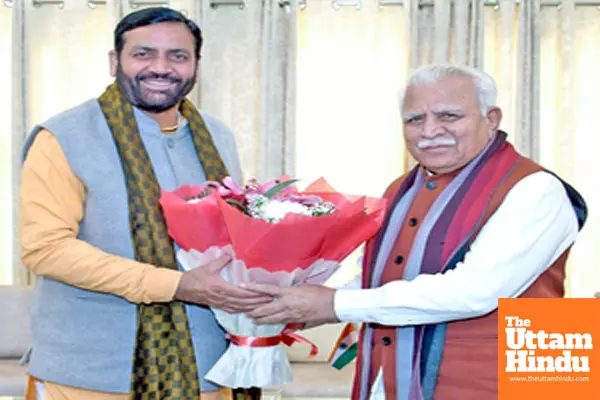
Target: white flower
point(278, 209)
point(274, 210)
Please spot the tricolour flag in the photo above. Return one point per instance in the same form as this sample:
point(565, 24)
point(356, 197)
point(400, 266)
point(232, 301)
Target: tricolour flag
point(346, 347)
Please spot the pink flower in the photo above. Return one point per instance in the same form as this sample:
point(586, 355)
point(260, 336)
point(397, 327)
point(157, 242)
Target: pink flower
point(284, 194)
point(228, 187)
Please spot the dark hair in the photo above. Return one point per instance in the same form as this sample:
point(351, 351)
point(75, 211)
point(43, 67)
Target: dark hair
point(151, 16)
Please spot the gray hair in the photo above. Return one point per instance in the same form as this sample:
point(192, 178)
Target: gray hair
point(484, 83)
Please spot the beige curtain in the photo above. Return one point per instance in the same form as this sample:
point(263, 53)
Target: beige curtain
point(528, 79)
point(500, 59)
point(350, 66)
point(60, 58)
point(568, 136)
point(248, 80)
point(6, 256)
point(66, 52)
point(544, 60)
point(18, 123)
point(351, 63)
point(446, 30)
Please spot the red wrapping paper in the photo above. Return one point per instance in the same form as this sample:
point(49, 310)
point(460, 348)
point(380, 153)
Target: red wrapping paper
point(297, 241)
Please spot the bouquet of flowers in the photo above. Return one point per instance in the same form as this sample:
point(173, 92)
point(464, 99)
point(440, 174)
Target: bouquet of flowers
point(276, 235)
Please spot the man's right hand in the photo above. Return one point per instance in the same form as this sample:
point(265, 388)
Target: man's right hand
point(203, 285)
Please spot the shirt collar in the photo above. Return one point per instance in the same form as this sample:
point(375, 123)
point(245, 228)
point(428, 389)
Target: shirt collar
point(147, 124)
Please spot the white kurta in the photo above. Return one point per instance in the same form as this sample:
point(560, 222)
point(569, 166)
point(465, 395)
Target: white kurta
point(532, 227)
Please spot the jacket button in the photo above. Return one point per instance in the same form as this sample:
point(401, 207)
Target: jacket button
point(399, 260)
point(386, 340)
point(412, 222)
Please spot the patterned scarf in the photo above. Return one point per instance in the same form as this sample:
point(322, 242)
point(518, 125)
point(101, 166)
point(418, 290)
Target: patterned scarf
point(164, 362)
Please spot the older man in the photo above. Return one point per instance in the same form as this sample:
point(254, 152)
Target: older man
point(473, 222)
point(113, 317)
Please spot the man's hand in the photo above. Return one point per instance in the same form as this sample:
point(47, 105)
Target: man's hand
point(312, 304)
point(203, 285)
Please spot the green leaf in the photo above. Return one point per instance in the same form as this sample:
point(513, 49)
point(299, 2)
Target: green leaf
point(273, 191)
point(236, 203)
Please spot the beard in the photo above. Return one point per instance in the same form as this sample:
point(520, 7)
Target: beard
point(154, 101)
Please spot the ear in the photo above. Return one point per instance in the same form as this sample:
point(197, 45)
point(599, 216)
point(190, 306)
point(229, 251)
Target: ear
point(113, 61)
point(493, 119)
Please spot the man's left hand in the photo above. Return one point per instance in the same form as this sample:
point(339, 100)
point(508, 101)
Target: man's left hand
point(312, 304)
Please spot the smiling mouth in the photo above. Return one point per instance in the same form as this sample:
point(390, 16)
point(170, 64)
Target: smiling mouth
point(158, 84)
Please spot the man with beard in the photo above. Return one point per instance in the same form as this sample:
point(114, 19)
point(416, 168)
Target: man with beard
point(113, 315)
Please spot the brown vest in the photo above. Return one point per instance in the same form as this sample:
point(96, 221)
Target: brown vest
point(469, 369)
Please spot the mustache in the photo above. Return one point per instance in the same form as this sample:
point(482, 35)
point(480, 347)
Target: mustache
point(154, 75)
point(441, 141)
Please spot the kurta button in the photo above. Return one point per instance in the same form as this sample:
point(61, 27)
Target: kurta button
point(399, 259)
point(412, 222)
point(386, 340)
point(430, 185)
point(170, 143)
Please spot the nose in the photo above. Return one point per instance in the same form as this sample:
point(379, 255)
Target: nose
point(161, 65)
point(431, 127)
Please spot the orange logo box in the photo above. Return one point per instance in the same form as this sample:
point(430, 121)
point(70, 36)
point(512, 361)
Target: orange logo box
point(549, 349)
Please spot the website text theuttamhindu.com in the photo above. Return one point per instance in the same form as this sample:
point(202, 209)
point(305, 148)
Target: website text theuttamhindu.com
point(549, 379)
